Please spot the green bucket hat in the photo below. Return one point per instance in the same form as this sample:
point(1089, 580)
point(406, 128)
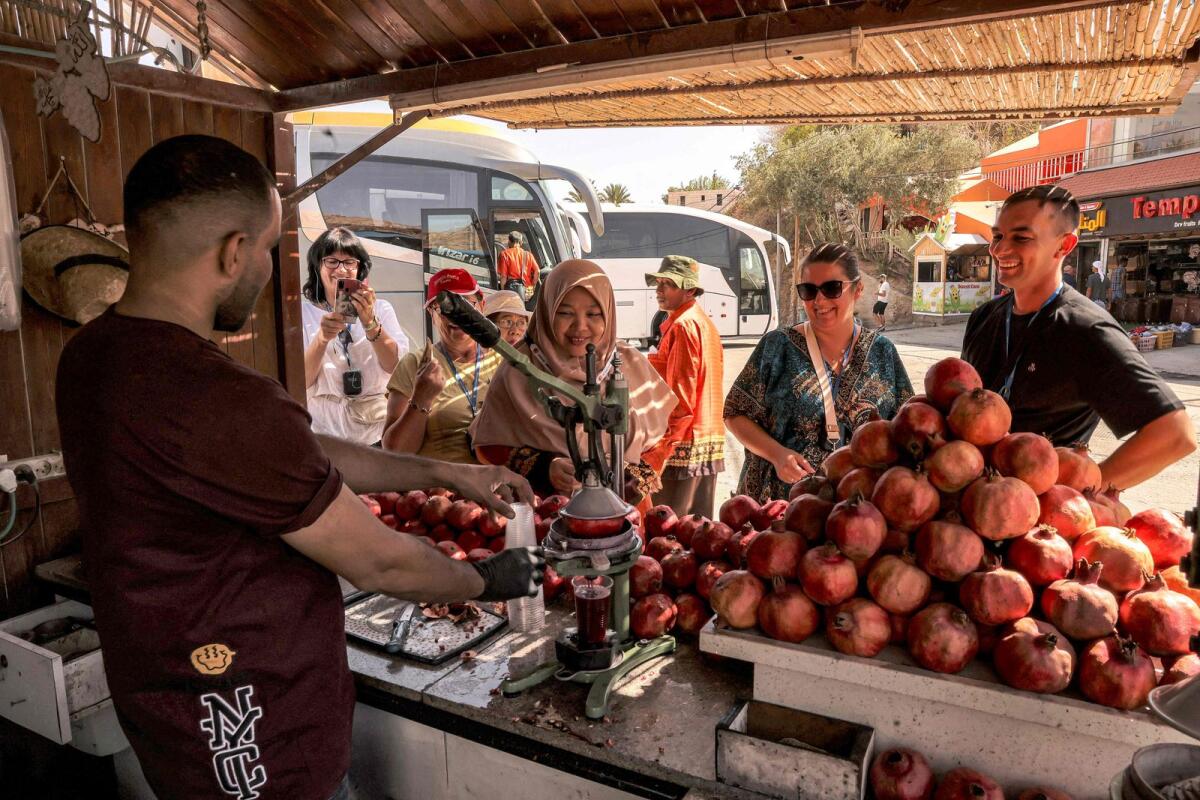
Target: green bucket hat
point(680, 270)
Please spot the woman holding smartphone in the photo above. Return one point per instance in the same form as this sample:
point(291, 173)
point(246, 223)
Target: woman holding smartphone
point(777, 407)
point(352, 341)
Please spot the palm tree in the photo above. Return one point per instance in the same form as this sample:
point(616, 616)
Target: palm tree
point(615, 193)
point(574, 196)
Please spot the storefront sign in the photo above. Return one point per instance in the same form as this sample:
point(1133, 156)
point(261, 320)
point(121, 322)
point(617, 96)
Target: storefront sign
point(1145, 212)
point(1092, 217)
point(963, 298)
point(927, 298)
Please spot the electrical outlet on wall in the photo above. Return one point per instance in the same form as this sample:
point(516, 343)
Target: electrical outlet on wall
point(44, 467)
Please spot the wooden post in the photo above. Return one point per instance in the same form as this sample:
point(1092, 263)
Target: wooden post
point(289, 327)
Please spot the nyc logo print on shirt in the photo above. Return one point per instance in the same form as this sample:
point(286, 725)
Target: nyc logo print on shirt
point(230, 730)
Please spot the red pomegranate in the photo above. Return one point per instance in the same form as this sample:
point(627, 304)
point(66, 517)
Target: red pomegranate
point(450, 549)
point(1067, 511)
point(440, 491)
point(541, 528)
point(645, 577)
point(860, 480)
point(1042, 793)
point(995, 595)
point(409, 506)
point(857, 527)
point(372, 505)
point(1112, 498)
point(735, 598)
point(918, 429)
point(687, 528)
point(710, 572)
point(679, 569)
point(1164, 534)
point(434, 511)
point(735, 551)
point(872, 445)
point(1029, 457)
point(767, 513)
point(948, 551)
point(553, 584)
point(551, 505)
point(1179, 668)
point(497, 544)
point(464, 515)
point(1079, 606)
point(1000, 508)
point(954, 466)
point(1160, 620)
point(837, 464)
point(787, 614)
point(711, 540)
point(387, 502)
point(979, 416)
point(1115, 672)
point(827, 576)
point(858, 627)
point(806, 515)
point(1076, 468)
point(492, 524)
point(1104, 513)
point(660, 521)
point(1032, 655)
point(652, 616)
point(967, 784)
point(442, 533)
point(901, 774)
point(1127, 561)
point(692, 614)
point(413, 526)
point(775, 554)
point(941, 637)
point(949, 378)
point(816, 484)
point(906, 498)
point(1041, 555)
point(469, 540)
point(478, 554)
point(660, 548)
point(898, 585)
point(737, 511)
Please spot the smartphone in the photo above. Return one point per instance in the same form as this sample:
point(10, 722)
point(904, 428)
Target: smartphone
point(344, 305)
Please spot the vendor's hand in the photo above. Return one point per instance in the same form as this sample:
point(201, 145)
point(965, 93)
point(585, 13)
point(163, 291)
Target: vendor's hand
point(562, 476)
point(491, 487)
point(364, 303)
point(513, 573)
point(790, 466)
point(332, 324)
point(430, 381)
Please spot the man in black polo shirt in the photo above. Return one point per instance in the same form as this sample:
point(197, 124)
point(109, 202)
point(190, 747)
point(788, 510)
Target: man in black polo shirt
point(1062, 362)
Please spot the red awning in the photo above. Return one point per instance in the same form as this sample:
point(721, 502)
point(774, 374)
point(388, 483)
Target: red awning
point(1140, 176)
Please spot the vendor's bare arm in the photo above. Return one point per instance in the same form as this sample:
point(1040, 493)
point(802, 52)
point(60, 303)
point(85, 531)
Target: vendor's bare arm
point(1151, 450)
point(348, 540)
point(404, 431)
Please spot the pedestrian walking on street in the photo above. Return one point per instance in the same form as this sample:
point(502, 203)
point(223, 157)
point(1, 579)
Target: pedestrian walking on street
point(1098, 286)
point(883, 296)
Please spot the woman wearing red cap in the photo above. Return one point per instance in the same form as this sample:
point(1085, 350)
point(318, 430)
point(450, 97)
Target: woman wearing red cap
point(433, 396)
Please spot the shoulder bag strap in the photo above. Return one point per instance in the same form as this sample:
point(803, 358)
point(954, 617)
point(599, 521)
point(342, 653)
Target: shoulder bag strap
point(832, 431)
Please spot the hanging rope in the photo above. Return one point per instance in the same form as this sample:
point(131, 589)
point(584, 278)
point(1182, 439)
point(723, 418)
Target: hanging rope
point(202, 29)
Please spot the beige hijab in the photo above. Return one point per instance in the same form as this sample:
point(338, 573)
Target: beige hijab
point(513, 417)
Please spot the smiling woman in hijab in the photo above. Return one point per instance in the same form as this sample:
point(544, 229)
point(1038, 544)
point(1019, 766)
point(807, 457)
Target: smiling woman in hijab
point(575, 308)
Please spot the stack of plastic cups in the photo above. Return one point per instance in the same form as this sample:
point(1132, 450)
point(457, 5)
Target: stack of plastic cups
point(525, 614)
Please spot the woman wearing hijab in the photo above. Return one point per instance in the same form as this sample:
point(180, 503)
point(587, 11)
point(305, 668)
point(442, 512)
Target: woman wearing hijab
point(574, 309)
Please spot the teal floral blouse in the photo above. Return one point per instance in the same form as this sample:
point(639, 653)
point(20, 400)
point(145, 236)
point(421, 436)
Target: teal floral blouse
point(778, 389)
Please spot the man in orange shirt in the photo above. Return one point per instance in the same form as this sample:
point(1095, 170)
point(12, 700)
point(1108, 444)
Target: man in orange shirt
point(691, 361)
point(518, 270)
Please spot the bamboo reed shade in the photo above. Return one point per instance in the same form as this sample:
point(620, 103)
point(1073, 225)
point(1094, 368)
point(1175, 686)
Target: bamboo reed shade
point(40, 21)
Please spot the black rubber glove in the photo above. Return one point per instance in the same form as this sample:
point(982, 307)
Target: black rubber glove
point(512, 573)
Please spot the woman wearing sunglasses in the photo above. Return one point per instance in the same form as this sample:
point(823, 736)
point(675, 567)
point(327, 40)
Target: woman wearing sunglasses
point(806, 388)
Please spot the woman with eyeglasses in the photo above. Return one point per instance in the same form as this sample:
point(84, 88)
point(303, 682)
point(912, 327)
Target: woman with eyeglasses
point(347, 358)
point(508, 311)
point(806, 388)
point(434, 396)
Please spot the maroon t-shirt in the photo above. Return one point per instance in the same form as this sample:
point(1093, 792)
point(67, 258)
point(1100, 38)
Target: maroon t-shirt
point(224, 647)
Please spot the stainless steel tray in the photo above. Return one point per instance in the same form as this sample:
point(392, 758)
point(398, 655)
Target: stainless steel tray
point(429, 641)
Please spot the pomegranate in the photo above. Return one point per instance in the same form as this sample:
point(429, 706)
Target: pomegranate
point(1029, 457)
point(1041, 555)
point(858, 627)
point(450, 549)
point(1160, 620)
point(860, 480)
point(679, 569)
point(706, 578)
point(692, 614)
point(541, 528)
point(464, 515)
point(816, 484)
point(1042, 793)
point(409, 506)
point(949, 378)
point(1076, 468)
point(1000, 508)
point(1115, 672)
point(492, 524)
point(645, 577)
point(389, 520)
point(901, 774)
point(652, 616)
point(827, 576)
point(941, 637)
point(497, 544)
point(837, 464)
point(918, 429)
point(767, 513)
point(1163, 534)
point(553, 584)
point(735, 551)
point(787, 614)
point(469, 540)
point(806, 515)
point(1067, 511)
point(995, 595)
point(737, 511)
point(1032, 655)
point(434, 511)
point(906, 498)
point(687, 528)
point(1127, 561)
point(413, 526)
point(872, 445)
point(1079, 606)
point(967, 784)
point(857, 527)
point(440, 491)
point(898, 585)
point(660, 521)
point(551, 505)
point(660, 548)
point(899, 623)
point(954, 466)
point(1178, 581)
point(1103, 513)
point(775, 554)
point(1179, 668)
point(387, 502)
point(948, 551)
point(735, 598)
point(980, 417)
point(479, 554)
point(442, 533)
point(711, 540)
point(1112, 497)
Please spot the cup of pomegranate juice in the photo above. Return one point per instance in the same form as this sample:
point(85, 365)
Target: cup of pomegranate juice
point(591, 607)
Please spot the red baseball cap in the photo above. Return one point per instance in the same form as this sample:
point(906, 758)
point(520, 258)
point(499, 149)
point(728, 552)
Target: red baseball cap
point(455, 280)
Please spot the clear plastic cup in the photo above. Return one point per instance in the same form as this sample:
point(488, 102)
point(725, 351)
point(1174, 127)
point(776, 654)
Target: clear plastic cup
point(525, 614)
point(592, 600)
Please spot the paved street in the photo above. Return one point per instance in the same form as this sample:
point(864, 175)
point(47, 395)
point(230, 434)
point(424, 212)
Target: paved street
point(921, 347)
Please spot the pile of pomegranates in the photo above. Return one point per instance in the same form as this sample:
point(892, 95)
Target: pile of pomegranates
point(903, 774)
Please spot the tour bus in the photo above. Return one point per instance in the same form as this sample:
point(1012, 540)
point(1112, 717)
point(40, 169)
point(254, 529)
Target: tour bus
point(733, 256)
point(445, 193)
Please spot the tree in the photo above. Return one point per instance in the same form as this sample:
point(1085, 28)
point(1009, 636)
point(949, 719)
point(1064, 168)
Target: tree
point(615, 193)
point(714, 181)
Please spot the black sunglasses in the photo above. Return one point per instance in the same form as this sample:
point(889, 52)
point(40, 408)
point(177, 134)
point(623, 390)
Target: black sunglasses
point(831, 289)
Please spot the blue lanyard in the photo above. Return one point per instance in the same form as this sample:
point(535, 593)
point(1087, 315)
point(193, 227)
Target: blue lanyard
point(1006, 389)
point(835, 378)
point(473, 395)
